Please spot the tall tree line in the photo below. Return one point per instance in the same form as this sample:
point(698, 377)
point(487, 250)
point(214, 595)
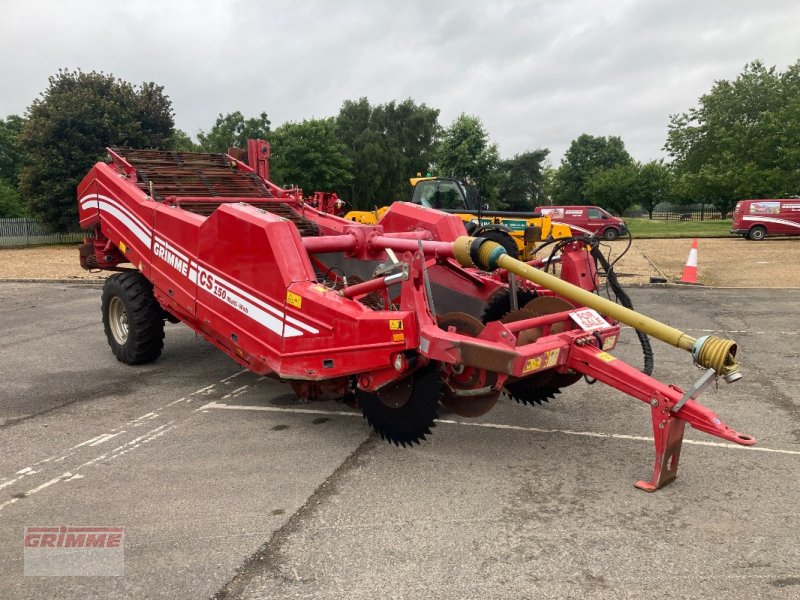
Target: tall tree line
point(742, 140)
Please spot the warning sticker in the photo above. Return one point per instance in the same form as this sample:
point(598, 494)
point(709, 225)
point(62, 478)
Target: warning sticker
point(123, 247)
point(588, 319)
point(551, 359)
point(532, 364)
point(605, 356)
point(395, 325)
point(609, 342)
point(294, 299)
point(545, 361)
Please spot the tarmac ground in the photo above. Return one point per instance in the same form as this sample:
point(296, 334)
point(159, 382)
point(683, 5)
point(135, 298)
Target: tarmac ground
point(226, 485)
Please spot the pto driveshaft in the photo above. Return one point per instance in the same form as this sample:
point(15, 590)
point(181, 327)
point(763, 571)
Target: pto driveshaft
point(710, 352)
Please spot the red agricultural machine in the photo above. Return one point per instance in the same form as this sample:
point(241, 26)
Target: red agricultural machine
point(396, 318)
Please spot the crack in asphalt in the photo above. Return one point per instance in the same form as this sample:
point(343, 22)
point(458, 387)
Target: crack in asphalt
point(268, 556)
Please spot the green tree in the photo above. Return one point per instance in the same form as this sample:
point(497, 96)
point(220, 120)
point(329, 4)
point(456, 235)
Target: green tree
point(11, 155)
point(614, 189)
point(465, 151)
point(11, 204)
point(11, 159)
point(386, 145)
point(68, 128)
point(586, 154)
point(742, 140)
point(181, 142)
point(522, 186)
point(618, 188)
point(548, 183)
point(655, 185)
point(309, 155)
point(233, 131)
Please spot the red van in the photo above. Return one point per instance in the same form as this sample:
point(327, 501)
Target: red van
point(589, 220)
point(756, 219)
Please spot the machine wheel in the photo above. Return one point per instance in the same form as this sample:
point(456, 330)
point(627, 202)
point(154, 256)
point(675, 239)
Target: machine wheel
point(499, 303)
point(610, 234)
point(504, 239)
point(757, 233)
point(543, 386)
point(404, 412)
point(132, 318)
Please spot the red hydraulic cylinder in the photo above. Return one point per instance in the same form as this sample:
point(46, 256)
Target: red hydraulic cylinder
point(381, 242)
point(410, 235)
point(359, 289)
point(329, 243)
point(377, 243)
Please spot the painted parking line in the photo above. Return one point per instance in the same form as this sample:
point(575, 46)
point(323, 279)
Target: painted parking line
point(595, 434)
point(731, 331)
point(161, 421)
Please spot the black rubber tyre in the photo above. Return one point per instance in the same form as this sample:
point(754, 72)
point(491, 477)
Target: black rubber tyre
point(757, 233)
point(504, 239)
point(610, 234)
point(132, 318)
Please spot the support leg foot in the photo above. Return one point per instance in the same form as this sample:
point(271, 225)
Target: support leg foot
point(668, 433)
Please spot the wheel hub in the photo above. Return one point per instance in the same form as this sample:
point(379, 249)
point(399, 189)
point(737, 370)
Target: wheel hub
point(402, 420)
point(118, 320)
point(468, 391)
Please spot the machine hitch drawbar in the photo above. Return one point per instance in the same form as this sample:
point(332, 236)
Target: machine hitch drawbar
point(671, 408)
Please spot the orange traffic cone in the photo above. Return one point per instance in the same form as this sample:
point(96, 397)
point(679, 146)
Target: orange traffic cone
point(690, 270)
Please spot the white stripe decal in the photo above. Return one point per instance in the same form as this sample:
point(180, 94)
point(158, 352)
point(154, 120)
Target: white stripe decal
point(772, 220)
point(235, 297)
point(172, 249)
point(105, 204)
point(131, 215)
point(692, 262)
point(123, 218)
point(280, 314)
point(270, 317)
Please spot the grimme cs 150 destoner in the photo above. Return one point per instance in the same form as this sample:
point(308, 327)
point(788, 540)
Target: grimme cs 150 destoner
point(395, 318)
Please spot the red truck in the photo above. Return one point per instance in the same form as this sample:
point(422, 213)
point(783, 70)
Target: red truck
point(588, 220)
point(756, 219)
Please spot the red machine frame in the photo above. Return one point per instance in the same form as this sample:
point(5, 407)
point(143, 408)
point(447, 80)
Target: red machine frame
point(237, 270)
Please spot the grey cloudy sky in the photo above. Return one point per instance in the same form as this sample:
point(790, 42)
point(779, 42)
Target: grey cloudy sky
point(538, 73)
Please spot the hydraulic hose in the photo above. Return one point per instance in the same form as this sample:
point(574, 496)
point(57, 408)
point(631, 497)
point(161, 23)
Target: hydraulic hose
point(624, 299)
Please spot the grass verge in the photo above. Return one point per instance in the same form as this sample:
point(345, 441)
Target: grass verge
point(645, 228)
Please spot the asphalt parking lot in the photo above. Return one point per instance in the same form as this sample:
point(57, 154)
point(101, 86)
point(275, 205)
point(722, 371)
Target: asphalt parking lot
point(227, 486)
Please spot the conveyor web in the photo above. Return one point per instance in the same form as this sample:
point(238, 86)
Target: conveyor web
point(166, 174)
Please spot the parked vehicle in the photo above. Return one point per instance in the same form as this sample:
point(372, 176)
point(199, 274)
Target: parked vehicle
point(756, 219)
point(589, 220)
point(518, 232)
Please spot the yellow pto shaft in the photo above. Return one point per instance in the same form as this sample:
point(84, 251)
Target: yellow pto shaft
point(708, 351)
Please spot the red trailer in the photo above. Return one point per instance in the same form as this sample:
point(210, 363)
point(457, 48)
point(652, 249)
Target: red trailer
point(395, 318)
